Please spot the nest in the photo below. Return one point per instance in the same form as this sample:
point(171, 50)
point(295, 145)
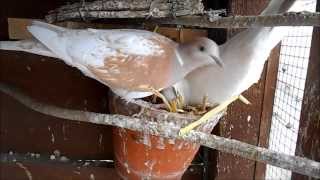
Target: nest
point(144, 109)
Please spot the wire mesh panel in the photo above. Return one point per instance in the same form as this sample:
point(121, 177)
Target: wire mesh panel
point(293, 64)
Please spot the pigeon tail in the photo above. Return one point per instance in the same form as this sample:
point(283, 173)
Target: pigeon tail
point(50, 36)
point(31, 46)
point(278, 7)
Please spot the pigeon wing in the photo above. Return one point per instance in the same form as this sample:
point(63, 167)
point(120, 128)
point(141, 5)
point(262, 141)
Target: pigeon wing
point(127, 59)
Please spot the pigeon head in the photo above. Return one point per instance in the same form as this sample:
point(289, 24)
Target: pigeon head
point(202, 51)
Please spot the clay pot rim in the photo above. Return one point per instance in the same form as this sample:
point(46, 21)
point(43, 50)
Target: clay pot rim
point(147, 109)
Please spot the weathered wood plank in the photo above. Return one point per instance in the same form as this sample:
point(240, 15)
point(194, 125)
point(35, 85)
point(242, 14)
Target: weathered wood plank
point(308, 143)
point(242, 122)
point(267, 108)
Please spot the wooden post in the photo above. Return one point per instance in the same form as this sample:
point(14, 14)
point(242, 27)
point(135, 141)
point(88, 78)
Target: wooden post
point(267, 108)
point(308, 144)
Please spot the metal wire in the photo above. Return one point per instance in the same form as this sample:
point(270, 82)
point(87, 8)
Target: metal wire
point(292, 72)
point(293, 63)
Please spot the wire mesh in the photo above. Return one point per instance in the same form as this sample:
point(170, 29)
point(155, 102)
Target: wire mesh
point(293, 64)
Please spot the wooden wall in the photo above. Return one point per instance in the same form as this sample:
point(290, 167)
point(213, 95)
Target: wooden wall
point(51, 81)
point(251, 123)
point(308, 143)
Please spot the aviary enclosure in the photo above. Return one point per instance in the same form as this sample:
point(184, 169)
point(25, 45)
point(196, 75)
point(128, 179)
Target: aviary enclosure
point(57, 123)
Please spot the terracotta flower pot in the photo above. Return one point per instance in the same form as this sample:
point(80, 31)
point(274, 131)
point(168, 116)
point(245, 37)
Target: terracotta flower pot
point(143, 156)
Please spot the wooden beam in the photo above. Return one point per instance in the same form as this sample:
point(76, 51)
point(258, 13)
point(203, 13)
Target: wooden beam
point(308, 143)
point(125, 9)
point(288, 19)
point(18, 29)
point(267, 108)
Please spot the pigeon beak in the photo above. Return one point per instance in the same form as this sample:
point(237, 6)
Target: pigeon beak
point(217, 60)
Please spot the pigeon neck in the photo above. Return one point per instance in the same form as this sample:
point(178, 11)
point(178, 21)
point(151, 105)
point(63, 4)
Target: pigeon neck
point(185, 62)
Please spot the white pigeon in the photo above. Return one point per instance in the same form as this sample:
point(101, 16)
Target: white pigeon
point(128, 61)
point(243, 56)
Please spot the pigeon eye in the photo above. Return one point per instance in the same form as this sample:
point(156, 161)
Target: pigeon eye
point(201, 48)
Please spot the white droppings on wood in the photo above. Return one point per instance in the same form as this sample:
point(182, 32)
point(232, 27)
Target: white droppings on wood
point(92, 177)
point(160, 143)
point(126, 165)
point(28, 68)
point(64, 159)
point(26, 170)
point(52, 157)
point(52, 138)
point(249, 118)
point(77, 172)
point(11, 153)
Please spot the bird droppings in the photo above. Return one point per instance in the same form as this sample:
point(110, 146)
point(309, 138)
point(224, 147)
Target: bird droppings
point(160, 143)
point(52, 138)
point(92, 177)
point(77, 172)
point(249, 118)
point(126, 165)
point(28, 68)
point(52, 157)
point(10, 153)
point(37, 155)
point(64, 159)
point(26, 170)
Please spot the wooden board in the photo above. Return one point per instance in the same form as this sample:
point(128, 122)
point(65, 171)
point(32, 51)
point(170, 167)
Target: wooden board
point(308, 143)
point(267, 108)
point(242, 122)
point(17, 28)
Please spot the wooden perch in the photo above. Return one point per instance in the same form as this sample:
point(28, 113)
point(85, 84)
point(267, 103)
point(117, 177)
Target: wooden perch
point(168, 130)
point(13, 157)
point(287, 19)
point(175, 12)
point(125, 9)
